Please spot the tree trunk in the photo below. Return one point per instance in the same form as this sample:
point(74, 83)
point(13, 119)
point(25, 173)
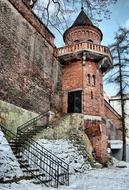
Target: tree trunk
point(122, 108)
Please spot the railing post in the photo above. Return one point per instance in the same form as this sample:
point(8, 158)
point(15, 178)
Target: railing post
point(48, 117)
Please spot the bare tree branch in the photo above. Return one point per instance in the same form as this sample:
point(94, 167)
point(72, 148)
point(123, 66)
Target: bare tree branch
point(58, 13)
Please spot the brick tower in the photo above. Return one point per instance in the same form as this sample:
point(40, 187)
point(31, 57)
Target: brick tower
point(84, 62)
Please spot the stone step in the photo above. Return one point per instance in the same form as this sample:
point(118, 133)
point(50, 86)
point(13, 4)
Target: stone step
point(18, 156)
point(13, 140)
point(28, 132)
point(24, 135)
point(30, 170)
point(17, 179)
point(24, 165)
point(22, 161)
point(39, 127)
point(14, 150)
point(40, 174)
point(13, 146)
point(43, 181)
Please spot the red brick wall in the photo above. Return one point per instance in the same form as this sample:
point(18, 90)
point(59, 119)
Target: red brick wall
point(28, 14)
point(75, 77)
point(115, 119)
point(96, 132)
point(93, 106)
point(72, 76)
point(71, 80)
point(82, 33)
point(29, 73)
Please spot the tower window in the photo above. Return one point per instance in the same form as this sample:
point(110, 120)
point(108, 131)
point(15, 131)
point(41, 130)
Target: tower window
point(88, 78)
point(101, 88)
point(94, 80)
point(76, 41)
point(91, 94)
point(90, 41)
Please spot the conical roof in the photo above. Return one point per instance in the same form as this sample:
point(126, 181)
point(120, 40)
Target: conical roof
point(82, 20)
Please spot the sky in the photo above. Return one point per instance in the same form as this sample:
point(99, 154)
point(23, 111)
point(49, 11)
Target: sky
point(119, 17)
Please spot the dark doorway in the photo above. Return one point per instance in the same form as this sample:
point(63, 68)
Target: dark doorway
point(74, 102)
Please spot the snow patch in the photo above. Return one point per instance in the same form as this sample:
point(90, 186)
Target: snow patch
point(9, 167)
point(112, 178)
point(70, 154)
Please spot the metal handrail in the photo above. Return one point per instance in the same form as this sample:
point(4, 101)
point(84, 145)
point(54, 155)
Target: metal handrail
point(56, 167)
point(33, 120)
point(33, 141)
point(43, 159)
point(10, 134)
point(5, 130)
point(29, 124)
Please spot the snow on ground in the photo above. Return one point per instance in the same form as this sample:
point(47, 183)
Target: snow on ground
point(99, 179)
point(112, 178)
point(9, 167)
point(65, 150)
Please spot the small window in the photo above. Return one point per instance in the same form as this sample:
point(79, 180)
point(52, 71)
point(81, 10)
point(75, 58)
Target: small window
point(76, 41)
point(91, 94)
point(88, 78)
point(93, 80)
point(101, 88)
point(90, 41)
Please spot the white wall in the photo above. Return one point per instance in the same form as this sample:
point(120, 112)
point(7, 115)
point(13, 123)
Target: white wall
point(117, 106)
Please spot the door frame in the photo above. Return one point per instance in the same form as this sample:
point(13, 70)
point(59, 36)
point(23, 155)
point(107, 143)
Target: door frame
point(74, 91)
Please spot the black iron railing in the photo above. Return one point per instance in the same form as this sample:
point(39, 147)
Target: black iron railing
point(9, 135)
point(40, 121)
point(50, 169)
point(55, 169)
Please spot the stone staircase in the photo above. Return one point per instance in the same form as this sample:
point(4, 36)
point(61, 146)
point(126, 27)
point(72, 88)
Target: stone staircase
point(36, 161)
point(70, 127)
point(71, 154)
point(30, 171)
point(77, 143)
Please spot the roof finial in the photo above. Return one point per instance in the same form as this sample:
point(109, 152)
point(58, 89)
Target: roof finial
point(82, 8)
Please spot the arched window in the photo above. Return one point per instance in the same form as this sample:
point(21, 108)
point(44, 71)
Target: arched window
point(76, 41)
point(90, 41)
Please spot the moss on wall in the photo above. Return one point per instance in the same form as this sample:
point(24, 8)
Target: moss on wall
point(69, 126)
point(14, 116)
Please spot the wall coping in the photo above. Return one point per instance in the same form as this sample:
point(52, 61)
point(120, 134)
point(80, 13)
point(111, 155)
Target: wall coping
point(106, 104)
